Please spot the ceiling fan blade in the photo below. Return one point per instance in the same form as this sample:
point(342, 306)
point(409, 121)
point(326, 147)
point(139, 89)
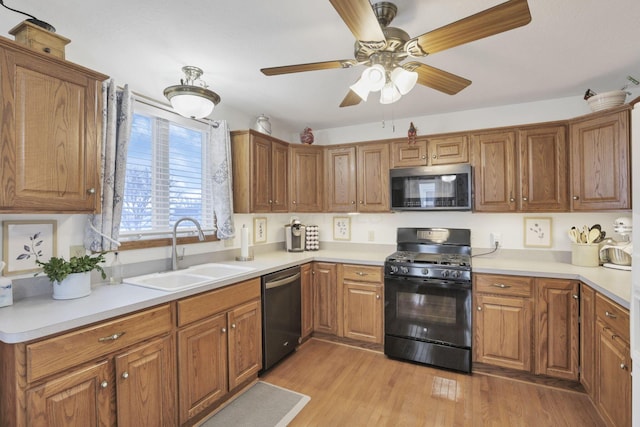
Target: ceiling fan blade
point(437, 79)
point(352, 98)
point(313, 66)
point(362, 21)
point(500, 18)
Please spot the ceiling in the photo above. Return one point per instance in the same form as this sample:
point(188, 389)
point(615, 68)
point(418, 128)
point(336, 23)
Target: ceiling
point(569, 46)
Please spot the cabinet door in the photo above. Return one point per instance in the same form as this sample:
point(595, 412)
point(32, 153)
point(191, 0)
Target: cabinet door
point(556, 326)
point(587, 339)
point(446, 150)
point(245, 343)
point(306, 292)
point(307, 179)
point(145, 385)
point(202, 365)
point(613, 392)
point(325, 298)
point(544, 178)
point(50, 136)
point(373, 178)
point(405, 154)
point(493, 159)
point(81, 398)
point(279, 177)
point(363, 312)
point(261, 174)
point(340, 164)
point(503, 331)
point(600, 171)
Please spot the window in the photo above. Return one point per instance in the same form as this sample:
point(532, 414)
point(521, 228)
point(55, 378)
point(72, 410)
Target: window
point(166, 174)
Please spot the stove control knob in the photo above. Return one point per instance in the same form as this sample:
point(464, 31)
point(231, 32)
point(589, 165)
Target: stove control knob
point(455, 274)
point(404, 270)
point(393, 269)
point(445, 273)
point(425, 271)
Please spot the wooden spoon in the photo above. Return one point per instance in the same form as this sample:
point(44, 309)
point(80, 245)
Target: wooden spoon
point(594, 234)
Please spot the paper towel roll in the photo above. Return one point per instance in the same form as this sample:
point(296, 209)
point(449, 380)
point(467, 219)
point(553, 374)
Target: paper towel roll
point(244, 242)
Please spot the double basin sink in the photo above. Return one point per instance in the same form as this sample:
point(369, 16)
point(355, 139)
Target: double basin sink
point(191, 277)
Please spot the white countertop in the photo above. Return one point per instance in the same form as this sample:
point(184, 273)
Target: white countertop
point(38, 316)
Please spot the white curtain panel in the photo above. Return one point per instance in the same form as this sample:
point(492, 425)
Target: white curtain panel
point(220, 156)
point(102, 230)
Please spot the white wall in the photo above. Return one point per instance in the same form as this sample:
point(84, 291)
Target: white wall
point(635, 295)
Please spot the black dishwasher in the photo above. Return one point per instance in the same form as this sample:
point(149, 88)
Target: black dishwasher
point(281, 322)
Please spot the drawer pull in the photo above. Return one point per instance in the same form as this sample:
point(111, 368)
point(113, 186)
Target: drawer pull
point(377, 296)
point(361, 273)
point(479, 308)
point(501, 285)
point(610, 315)
point(575, 296)
point(125, 375)
point(623, 366)
point(104, 384)
point(224, 330)
point(233, 326)
point(111, 337)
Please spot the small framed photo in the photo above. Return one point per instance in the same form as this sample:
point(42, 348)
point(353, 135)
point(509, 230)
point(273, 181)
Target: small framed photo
point(341, 228)
point(24, 242)
point(537, 232)
point(259, 230)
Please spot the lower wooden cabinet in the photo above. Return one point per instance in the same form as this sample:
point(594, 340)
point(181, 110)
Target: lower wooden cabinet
point(587, 339)
point(363, 301)
point(325, 298)
point(306, 295)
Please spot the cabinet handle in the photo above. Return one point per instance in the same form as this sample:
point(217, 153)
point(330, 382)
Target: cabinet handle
point(224, 330)
point(500, 285)
point(294, 202)
point(434, 156)
point(610, 315)
point(111, 337)
point(91, 190)
point(524, 199)
point(614, 336)
point(575, 296)
point(125, 375)
point(479, 308)
point(575, 198)
point(233, 326)
point(104, 384)
point(623, 366)
point(270, 201)
point(353, 202)
point(511, 199)
point(423, 157)
point(362, 273)
point(377, 296)
point(46, 49)
point(361, 202)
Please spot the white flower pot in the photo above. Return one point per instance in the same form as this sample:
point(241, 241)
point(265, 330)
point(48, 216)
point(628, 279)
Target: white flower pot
point(75, 285)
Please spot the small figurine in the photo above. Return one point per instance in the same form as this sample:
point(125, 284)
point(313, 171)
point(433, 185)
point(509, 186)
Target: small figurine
point(411, 135)
point(306, 136)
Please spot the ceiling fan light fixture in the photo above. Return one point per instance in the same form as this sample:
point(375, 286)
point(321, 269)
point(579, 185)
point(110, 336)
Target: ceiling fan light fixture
point(404, 80)
point(389, 94)
point(191, 98)
point(361, 88)
point(374, 77)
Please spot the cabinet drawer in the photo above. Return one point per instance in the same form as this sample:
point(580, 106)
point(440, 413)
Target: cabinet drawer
point(56, 354)
point(517, 286)
point(613, 315)
point(204, 305)
point(362, 273)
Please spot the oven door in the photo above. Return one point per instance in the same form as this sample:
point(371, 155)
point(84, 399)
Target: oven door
point(430, 310)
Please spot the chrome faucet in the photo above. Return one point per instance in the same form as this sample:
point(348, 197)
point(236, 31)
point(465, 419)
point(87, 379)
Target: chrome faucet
point(174, 252)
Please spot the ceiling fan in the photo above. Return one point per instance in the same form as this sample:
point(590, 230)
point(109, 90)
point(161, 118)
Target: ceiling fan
point(383, 49)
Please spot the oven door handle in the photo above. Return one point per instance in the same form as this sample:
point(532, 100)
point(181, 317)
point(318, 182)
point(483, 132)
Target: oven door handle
point(282, 282)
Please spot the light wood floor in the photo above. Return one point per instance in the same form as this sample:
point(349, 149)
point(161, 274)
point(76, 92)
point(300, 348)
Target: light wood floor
point(356, 387)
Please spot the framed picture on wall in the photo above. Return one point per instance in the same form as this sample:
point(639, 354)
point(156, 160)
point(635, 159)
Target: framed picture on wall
point(341, 228)
point(537, 232)
point(24, 242)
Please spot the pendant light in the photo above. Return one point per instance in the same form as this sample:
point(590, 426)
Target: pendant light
point(192, 98)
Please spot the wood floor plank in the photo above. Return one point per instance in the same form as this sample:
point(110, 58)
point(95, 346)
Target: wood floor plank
point(357, 387)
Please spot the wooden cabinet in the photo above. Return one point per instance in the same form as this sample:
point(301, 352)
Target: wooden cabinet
point(503, 321)
point(600, 161)
point(527, 173)
point(362, 302)
point(587, 339)
point(260, 173)
point(357, 178)
point(442, 149)
point(556, 328)
point(120, 371)
point(613, 362)
point(325, 298)
point(50, 133)
point(306, 178)
point(219, 346)
point(306, 295)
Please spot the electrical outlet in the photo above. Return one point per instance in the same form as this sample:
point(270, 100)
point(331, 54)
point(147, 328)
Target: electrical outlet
point(372, 235)
point(77, 251)
point(496, 240)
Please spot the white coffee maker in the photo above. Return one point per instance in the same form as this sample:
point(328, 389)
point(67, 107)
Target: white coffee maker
point(294, 234)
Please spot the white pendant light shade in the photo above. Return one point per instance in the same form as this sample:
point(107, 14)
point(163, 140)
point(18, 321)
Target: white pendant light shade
point(361, 88)
point(374, 77)
point(389, 94)
point(404, 80)
point(189, 99)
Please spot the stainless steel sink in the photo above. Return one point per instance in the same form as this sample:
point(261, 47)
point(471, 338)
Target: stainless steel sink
point(191, 277)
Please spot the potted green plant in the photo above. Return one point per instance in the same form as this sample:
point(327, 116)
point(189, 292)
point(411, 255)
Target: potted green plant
point(72, 278)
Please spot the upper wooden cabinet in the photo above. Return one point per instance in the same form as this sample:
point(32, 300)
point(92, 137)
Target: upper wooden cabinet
point(260, 173)
point(306, 178)
point(600, 162)
point(433, 150)
point(357, 178)
point(50, 133)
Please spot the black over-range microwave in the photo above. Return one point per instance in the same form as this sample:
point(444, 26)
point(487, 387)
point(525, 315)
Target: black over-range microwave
point(427, 188)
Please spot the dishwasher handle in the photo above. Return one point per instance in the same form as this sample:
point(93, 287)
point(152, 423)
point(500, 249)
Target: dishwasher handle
point(282, 282)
